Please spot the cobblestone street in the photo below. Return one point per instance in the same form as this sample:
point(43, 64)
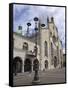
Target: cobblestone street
point(46, 77)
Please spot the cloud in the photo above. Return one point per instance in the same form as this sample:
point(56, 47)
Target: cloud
point(26, 13)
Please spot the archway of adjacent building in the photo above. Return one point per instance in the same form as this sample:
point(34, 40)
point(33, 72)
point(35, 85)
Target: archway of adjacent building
point(27, 65)
point(34, 64)
point(55, 61)
point(17, 65)
point(46, 64)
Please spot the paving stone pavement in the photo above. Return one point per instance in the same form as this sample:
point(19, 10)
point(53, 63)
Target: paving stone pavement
point(46, 77)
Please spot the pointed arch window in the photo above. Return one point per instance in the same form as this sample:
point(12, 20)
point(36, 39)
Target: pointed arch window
point(51, 54)
point(46, 48)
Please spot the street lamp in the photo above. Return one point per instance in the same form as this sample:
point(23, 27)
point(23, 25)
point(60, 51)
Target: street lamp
point(36, 63)
point(43, 25)
point(28, 24)
point(36, 29)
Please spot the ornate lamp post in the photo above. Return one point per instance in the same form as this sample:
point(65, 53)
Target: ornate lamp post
point(36, 29)
point(36, 63)
point(42, 25)
point(28, 24)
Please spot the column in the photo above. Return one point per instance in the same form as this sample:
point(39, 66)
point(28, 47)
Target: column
point(32, 67)
point(23, 67)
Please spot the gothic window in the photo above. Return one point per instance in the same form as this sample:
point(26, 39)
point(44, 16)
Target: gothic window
point(57, 54)
point(55, 61)
point(51, 53)
point(25, 46)
point(46, 48)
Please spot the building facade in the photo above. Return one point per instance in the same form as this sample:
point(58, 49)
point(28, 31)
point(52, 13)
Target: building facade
point(49, 49)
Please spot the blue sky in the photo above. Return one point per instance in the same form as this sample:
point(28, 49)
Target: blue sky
point(25, 13)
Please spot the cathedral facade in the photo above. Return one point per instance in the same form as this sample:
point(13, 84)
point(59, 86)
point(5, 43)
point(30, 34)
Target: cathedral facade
point(49, 49)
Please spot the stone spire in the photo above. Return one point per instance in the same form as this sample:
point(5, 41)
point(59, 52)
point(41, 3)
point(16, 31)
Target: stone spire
point(52, 19)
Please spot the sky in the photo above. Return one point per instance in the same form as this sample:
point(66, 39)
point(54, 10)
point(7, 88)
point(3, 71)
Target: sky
point(22, 14)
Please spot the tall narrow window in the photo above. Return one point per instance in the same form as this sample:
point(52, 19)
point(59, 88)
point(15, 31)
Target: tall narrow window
point(25, 46)
point(57, 55)
point(51, 53)
point(60, 53)
point(46, 48)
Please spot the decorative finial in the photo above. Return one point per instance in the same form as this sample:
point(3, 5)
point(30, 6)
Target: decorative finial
point(36, 19)
point(52, 19)
point(43, 25)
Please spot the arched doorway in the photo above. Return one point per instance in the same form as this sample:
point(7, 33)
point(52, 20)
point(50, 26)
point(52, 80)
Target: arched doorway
point(34, 64)
point(27, 65)
point(55, 61)
point(17, 65)
point(46, 64)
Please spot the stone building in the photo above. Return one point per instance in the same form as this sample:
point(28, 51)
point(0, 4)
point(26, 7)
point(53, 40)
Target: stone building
point(49, 49)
